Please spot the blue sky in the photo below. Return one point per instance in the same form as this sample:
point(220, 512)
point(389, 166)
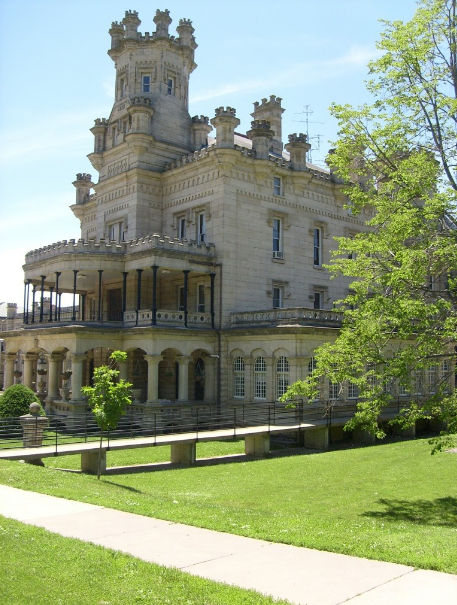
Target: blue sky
point(57, 78)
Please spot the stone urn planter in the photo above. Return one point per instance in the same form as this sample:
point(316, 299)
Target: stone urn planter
point(136, 396)
point(64, 393)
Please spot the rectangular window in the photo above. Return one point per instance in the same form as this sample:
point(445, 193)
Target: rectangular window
point(353, 391)
point(181, 298)
point(277, 185)
point(201, 298)
point(122, 89)
point(238, 377)
point(181, 228)
point(146, 84)
point(171, 86)
point(333, 390)
point(278, 297)
point(318, 299)
point(116, 232)
point(277, 238)
point(201, 228)
point(317, 256)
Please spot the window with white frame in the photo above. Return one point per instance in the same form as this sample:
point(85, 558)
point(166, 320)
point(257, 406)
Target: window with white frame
point(238, 377)
point(282, 376)
point(431, 378)
point(312, 364)
point(171, 85)
point(201, 298)
point(181, 227)
point(260, 378)
point(116, 232)
point(278, 297)
point(278, 238)
point(277, 186)
point(353, 391)
point(145, 83)
point(445, 372)
point(201, 228)
point(317, 247)
point(333, 390)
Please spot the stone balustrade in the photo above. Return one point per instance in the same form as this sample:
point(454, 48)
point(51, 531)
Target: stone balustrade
point(302, 315)
point(168, 317)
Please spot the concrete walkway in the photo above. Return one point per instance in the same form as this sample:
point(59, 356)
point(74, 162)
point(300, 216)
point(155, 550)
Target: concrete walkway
point(301, 575)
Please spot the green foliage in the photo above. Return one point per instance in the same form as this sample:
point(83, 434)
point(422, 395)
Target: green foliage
point(16, 401)
point(396, 160)
point(108, 397)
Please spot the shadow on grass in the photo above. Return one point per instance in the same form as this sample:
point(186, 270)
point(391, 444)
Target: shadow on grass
point(441, 512)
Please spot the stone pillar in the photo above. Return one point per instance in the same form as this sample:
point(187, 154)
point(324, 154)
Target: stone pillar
point(183, 384)
point(270, 379)
point(8, 376)
point(53, 376)
point(271, 110)
point(162, 20)
point(77, 376)
point(99, 131)
point(248, 378)
point(89, 462)
point(131, 23)
point(210, 379)
point(29, 361)
point(225, 123)
point(117, 33)
point(261, 135)
point(298, 147)
point(153, 377)
point(183, 453)
point(257, 445)
point(317, 438)
point(123, 370)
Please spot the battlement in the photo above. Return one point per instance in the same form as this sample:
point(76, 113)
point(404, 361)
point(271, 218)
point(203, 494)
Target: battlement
point(187, 22)
point(273, 101)
point(101, 122)
point(260, 125)
point(200, 120)
point(82, 176)
point(131, 13)
point(298, 138)
point(141, 101)
point(222, 111)
point(91, 246)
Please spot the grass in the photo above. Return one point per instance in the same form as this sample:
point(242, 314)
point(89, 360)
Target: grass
point(46, 569)
point(393, 502)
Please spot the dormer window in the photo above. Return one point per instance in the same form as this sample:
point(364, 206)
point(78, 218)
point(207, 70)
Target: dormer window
point(146, 84)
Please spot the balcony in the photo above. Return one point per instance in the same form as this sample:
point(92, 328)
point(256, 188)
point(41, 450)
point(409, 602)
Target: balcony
point(301, 316)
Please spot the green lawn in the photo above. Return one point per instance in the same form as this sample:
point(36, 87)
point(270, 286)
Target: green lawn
point(392, 502)
point(45, 569)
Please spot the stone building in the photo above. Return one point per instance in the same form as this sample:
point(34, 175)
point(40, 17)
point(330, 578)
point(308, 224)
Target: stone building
point(201, 257)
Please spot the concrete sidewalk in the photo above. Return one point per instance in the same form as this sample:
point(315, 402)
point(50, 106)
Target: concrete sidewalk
point(301, 575)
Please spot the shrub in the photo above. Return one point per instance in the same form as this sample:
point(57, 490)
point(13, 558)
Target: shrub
point(16, 400)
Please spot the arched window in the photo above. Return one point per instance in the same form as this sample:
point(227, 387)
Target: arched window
point(282, 376)
point(260, 378)
point(238, 377)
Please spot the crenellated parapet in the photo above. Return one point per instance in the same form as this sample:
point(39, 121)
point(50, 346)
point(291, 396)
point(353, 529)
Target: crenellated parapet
point(106, 247)
point(117, 34)
point(200, 129)
point(163, 21)
point(131, 23)
point(99, 130)
point(185, 31)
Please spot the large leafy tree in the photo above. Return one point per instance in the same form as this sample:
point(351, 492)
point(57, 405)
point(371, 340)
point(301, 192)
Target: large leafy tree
point(398, 157)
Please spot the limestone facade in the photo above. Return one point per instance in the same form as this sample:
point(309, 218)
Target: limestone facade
point(201, 257)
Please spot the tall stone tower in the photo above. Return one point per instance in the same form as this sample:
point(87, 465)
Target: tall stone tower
point(149, 126)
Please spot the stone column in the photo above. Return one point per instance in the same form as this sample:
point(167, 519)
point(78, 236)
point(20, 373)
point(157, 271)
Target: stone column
point(53, 376)
point(153, 377)
point(183, 384)
point(248, 379)
point(8, 376)
point(123, 370)
point(225, 123)
point(298, 147)
point(77, 376)
point(29, 361)
point(261, 135)
point(270, 380)
point(210, 379)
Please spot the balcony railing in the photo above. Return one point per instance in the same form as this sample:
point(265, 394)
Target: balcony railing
point(302, 315)
point(167, 317)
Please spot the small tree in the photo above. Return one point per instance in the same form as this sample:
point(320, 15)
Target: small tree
point(108, 397)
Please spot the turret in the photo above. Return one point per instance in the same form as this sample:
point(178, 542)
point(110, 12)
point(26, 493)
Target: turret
point(117, 34)
point(298, 147)
point(185, 31)
point(131, 23)
point(271, 111)
point(99, 131)
point(225, 123)
point(261, 135)
point(162, 20)
point(83, 186)
point(200, 130)
point(141, 113)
